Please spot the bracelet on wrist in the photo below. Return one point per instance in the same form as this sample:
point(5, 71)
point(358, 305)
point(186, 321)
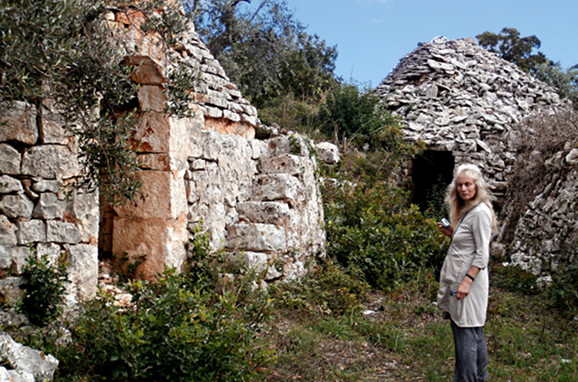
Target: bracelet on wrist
point(470, 277)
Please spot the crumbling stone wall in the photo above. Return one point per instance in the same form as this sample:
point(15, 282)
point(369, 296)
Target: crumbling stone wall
point(455, 96)
point(37, 161)
point(257, 199)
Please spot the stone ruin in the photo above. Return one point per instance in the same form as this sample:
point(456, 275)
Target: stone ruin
point(255, 198)
point(467, 105)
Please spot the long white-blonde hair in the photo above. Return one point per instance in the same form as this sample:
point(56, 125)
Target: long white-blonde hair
point(459, 207)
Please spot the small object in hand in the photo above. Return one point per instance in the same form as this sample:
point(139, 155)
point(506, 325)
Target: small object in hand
point(445, 223)
point(453, 293)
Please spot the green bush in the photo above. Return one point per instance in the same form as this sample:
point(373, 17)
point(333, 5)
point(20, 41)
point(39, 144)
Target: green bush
point(326, 290)
point(174, 331)
point(373, 231)
point(44, 289)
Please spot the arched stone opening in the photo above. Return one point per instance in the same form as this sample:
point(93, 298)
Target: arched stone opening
point(432, 172)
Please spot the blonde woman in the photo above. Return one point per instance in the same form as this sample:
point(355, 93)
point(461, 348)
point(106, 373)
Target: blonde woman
point(464, 282)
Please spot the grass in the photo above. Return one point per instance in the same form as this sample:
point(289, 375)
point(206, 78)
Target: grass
point(400, 336)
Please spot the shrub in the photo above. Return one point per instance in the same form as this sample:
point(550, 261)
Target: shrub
point(44, 289)
point(173, 332)
point(327, 290)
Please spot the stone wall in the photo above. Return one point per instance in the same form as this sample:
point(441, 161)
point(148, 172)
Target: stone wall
point(37, 160)
point(256, 199)
point(455, 96)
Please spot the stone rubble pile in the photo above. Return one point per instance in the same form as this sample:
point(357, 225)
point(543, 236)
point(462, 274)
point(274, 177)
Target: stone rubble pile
point(20, 363)
point(549, 225)
point(456, 96)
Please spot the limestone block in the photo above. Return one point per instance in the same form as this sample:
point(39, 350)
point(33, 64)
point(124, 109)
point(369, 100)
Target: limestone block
point(85, 210)
point(13, 259)
point(7, 232)
point(327, 152)
point(51, 251)
point(152, 134)
point(153, 242)
point(62, 232)
point(152, 98)
point(147, 71)
point(9, 159)
point(256, 238)
point(283, 164)
point(18, 121)
point(163, 196)
point(50, 162)
point(43, 185)
point(264, 212)
point(31, 231)
point(254, 261)
point(10, 292)
point(52, 126)
point(16, 206)
point(9, 184)
point(48, 207)
point(276, 187)
point(26, 360)
point(83, 270)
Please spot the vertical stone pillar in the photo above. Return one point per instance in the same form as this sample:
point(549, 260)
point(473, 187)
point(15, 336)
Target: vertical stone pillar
point(152, 231)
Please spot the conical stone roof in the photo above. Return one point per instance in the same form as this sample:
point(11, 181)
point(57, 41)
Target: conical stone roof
point(456, 96)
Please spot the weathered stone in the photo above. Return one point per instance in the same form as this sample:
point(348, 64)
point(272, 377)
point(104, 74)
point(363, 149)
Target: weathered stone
point(256, 237)
point(43, 185)
point(327, 152)
point(152, 98)
point(50, 162)
point(276, 187)
point(9, 159)
point(13, 259)
point(25, 360)
point(10, 292)
point(18, 121)
point(62, 232)
point(16, 206)
point(31, 231)
point(264, 212)
point(7, 232)
point(48, 207)
point(147, 71)
point(83, 270)
point(283, 164)
point(9, 184)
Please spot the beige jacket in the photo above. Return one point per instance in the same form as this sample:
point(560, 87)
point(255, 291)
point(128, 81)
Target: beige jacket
point(470, 246)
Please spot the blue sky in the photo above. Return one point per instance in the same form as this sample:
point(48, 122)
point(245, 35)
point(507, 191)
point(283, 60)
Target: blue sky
point(373, 35)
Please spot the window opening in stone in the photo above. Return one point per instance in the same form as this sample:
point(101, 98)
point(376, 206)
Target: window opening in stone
point(431, 174)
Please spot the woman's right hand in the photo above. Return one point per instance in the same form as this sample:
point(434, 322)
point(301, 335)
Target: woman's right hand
point(446, 231)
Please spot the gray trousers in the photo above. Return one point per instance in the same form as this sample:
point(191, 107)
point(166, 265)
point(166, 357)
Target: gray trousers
point(471, 354)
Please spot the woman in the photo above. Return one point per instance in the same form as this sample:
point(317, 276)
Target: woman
point(464, 283)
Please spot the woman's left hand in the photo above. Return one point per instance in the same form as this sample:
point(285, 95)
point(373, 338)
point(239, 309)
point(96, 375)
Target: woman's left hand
point(463, 289)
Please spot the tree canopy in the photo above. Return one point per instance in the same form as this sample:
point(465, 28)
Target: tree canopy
point(263, 48)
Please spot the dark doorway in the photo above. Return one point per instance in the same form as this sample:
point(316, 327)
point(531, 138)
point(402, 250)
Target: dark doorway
point(432, 173)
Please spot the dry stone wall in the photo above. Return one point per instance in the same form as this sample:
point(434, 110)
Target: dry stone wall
point(257, 199)
point(458, 97)
point(37, 161)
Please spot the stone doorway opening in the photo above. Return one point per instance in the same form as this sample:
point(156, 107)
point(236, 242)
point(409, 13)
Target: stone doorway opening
point(432, 172)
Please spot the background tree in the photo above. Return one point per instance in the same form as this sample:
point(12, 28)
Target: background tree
point(511, 47)
point(264, 49)
point(523, 51)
